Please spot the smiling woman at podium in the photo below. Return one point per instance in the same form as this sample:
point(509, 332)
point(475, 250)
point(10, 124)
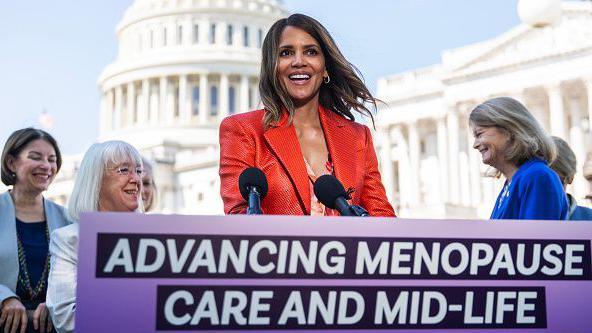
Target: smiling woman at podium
point(306, 128)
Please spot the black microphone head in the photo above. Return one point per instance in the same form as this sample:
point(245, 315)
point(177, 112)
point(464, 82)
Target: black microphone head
point(327, 188)
point(252, 177)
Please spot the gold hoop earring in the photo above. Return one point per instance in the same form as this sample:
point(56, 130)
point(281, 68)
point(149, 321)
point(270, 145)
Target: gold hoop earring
point(326, 79)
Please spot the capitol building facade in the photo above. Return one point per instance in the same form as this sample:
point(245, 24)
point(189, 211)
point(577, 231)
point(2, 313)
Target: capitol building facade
point(184, 65)
point(428, 163)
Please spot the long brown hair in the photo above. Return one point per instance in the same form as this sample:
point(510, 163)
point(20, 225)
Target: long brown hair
point(344, 92)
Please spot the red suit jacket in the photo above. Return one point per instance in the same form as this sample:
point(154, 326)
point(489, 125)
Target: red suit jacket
point(276, 151)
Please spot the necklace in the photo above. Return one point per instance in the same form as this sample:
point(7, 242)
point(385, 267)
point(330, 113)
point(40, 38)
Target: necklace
point(23, 277)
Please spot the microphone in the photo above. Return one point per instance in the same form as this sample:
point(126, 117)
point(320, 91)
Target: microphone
point(252, 184)
point(331, 193)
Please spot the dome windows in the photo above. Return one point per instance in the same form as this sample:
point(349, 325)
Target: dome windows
point(231, 100)
point(191, 32)
point(195, 33)
point(213, 100)
point(229, 34)
point(213, 33)
point(246, 36)
point(179, 34)
point(259, 37)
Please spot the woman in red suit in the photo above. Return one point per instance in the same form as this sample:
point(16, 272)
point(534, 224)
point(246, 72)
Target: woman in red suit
point(306, 128)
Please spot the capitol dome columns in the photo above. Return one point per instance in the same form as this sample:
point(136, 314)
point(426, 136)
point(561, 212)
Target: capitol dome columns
point(144, 102)
point(183, 103)
point(244, 94)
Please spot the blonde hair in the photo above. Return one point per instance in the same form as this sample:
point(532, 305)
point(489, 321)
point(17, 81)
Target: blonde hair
point(528, 139)
point(87, 186)
point(565, 163)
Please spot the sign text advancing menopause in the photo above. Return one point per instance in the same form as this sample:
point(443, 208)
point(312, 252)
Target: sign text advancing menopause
point(213, 256)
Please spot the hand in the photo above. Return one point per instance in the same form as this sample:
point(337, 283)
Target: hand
point(41, 319)
point(13, 314)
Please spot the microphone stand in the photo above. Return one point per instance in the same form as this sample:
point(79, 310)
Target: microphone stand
point(359, 211)
point(254, 202)
point(345, 209)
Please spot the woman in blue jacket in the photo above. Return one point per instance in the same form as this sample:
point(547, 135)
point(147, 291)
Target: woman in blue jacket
point(511, 140)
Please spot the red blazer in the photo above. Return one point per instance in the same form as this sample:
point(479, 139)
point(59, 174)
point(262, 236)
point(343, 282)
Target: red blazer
point(276, 151)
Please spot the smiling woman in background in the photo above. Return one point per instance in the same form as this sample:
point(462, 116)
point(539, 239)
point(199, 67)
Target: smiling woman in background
point(148, 185)
point(306, 128)
point(511, 140)
point(109, 180)
point(30, 160)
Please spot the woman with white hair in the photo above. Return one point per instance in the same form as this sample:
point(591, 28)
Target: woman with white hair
point(109, 180)
point(511, 140)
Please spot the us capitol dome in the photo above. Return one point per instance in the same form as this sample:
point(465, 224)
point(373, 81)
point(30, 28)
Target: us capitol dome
point(182, 66)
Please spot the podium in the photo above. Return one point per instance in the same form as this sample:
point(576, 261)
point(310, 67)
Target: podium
point(148, 273)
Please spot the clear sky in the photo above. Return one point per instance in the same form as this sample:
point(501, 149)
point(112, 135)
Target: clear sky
point(52, 52)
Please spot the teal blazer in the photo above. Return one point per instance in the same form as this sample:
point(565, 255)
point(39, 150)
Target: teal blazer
point(56, 218)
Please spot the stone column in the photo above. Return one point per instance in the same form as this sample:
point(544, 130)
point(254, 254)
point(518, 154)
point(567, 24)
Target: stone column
point(244, 94)
point(442, 158)
point(203, 98)
point(221, 33)
point(118, 107)
point(187, 32)
point(588, 83)
point(110, 110)
point(404, 167)
point(162, 99)
point(414, 161)
point(223, 96)
point(386, 164)
point(154, 97)
point(556, 110)
point(204, 32)
point(453, 155)
point(578, 145)
point(184, 106)
point(131, 104)
point(144, 109)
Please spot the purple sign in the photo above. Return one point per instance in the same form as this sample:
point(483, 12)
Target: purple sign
point(148, 273)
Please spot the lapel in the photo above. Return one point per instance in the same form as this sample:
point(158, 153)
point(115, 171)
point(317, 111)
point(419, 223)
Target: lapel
point(284, 144)
point(340, 143)
point(52, 215)
point(7, 212)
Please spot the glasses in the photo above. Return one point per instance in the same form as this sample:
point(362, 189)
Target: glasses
point(127, 171)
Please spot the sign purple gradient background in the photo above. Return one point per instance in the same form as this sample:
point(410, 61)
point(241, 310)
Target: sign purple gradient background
point(129, 305)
